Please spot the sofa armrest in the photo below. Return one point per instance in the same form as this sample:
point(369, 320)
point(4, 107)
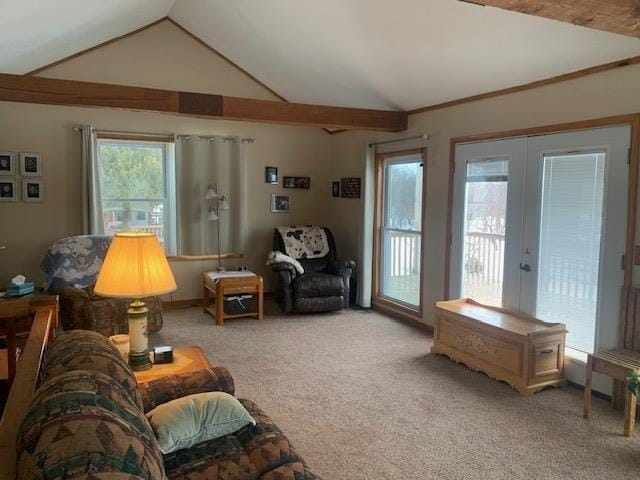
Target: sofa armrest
point(171, 387)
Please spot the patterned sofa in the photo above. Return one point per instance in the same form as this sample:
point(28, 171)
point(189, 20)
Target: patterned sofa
point(86, 421)
point(72, 265)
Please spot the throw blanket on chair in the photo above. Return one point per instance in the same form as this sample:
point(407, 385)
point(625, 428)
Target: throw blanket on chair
point(304, 241)
point(279, 257)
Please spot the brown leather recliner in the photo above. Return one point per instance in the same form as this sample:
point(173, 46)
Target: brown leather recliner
point(323, 287)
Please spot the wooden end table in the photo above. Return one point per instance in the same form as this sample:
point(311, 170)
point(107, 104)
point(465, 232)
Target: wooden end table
point(616, 363)
point(186, 359)
point(218, 284)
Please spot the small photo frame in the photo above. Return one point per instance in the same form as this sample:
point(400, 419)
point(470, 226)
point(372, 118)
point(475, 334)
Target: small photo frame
point(32, 190)
point(350, 187)
point(280, 203)
point(7, 163)
point(30, 164)
point(335, 189)
point(8, 190)
point(271, 175)
point(297, 182)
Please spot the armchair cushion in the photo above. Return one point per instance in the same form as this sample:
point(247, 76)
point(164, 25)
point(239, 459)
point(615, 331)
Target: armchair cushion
point(318, 285)
point(171, 387)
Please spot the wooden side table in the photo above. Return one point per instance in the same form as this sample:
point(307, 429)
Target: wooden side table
point(187, 359)
point(216, 288)
point(616, 363)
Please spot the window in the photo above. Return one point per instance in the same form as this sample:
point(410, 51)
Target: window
point(400, 228)
point(137, 191)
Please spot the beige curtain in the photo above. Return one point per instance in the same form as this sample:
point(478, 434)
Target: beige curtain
point(201, 161)
point(92, 222)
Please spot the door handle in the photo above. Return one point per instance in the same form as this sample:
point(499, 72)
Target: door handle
point(525, 266)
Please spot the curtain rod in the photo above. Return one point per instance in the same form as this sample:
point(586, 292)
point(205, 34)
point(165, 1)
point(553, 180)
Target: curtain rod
point(424, 136)
point(150, 134)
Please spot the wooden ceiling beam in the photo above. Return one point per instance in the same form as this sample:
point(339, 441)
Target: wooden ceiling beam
point(615, 16)
point(30, 89)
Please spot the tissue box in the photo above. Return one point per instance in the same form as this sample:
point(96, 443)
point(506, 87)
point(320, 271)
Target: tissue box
point(15, 290)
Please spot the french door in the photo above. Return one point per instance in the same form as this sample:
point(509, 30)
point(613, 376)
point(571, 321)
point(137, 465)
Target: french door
point(539, 225)
point(400, 195)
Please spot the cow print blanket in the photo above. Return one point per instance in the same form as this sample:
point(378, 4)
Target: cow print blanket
point(304, 241)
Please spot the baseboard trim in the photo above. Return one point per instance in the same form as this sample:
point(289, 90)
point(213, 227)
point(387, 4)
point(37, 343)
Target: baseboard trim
point(193, 302)
point(182, 303)
point(402, 317)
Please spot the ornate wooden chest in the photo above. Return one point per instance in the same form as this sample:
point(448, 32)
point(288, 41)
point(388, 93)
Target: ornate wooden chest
point(522, 351)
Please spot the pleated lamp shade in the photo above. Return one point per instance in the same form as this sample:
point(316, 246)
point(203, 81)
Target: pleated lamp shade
point(135, 266)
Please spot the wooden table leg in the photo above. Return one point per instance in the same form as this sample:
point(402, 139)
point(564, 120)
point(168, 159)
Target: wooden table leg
point(587, 388)
point(205, 297)
point(12, 350)
point(629, 414)
point(219, 303)
point(260, 299)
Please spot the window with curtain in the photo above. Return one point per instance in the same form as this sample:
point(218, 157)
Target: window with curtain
point(137, 188)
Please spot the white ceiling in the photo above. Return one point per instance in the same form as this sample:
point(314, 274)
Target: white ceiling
point(362, 53)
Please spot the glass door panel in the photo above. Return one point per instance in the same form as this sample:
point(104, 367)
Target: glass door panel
point(571, 213)
point(487, 222)
point(402, 229)
point(484, 230)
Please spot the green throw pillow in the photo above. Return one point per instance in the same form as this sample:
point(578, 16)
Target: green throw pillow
point(197, 418)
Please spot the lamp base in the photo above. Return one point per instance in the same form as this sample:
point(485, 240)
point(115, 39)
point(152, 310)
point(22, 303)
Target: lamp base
point(138, 337)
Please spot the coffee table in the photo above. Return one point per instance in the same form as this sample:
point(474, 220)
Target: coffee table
point(185, 359)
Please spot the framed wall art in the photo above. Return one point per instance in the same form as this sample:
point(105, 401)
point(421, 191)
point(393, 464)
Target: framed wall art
point(335, 189)
point(8, 190)
point(271, 175)
point(32, 190)
point(297, 182)
point(280, 203)
point(350, 187)
point(30, 164)
point(7, 163)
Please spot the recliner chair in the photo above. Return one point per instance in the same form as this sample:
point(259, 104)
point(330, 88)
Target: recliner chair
point(324, 285)
point(72, 265)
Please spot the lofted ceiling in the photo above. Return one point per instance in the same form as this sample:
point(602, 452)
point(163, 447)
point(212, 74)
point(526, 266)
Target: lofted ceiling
point(354, 53)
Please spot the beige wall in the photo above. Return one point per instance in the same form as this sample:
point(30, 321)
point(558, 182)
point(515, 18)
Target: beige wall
point(162, 57)
point(610, 93)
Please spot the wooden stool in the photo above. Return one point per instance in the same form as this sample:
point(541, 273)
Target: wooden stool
point(616, 363)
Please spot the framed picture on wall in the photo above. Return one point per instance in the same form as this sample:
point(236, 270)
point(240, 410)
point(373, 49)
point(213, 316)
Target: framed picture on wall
point(350, 187)
point(297, 182)
point(32, 190)
point(271, 175)
point(30, 164)
point(335, 189)
point(7, 163)
point(280, 203)
point(8, 191)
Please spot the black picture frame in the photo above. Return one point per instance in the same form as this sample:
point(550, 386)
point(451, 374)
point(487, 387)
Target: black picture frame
point(271, 175)
point(297, 182)
point(350, 187)
point(335, 189)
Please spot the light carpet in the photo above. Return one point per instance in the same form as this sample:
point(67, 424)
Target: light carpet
point(360, 397)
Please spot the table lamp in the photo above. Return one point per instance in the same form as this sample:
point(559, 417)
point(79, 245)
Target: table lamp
point(135, 267)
